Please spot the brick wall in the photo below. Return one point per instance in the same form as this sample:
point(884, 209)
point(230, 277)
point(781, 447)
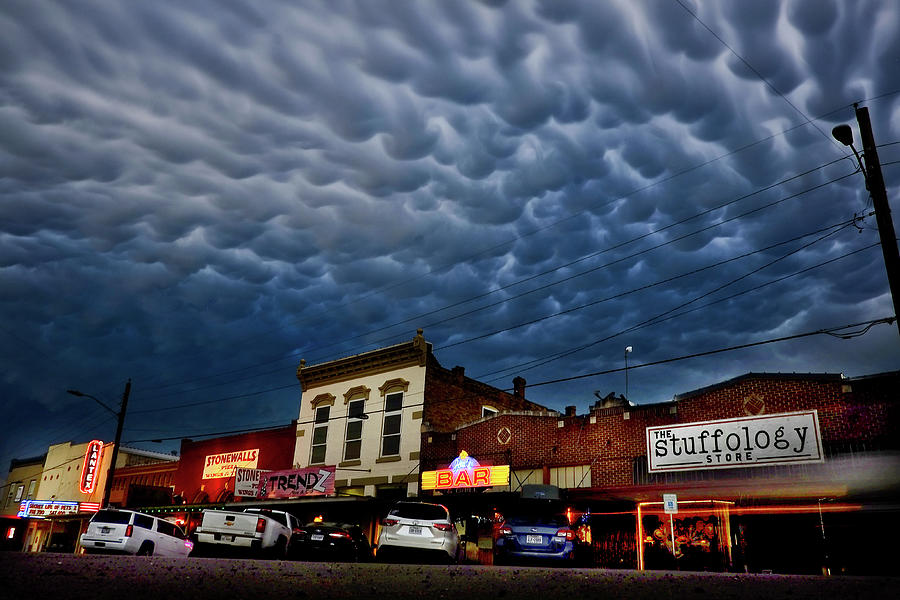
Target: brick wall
point(453, 400)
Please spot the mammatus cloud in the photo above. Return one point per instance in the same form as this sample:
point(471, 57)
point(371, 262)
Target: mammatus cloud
point(196, 196)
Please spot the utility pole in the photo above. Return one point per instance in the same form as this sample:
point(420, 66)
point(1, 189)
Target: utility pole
point(115, 453)
point(875, 185)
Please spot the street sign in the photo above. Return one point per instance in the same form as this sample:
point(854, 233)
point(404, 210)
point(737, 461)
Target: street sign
point(670, 504)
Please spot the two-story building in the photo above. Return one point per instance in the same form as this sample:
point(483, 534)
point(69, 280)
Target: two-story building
point(365, 415)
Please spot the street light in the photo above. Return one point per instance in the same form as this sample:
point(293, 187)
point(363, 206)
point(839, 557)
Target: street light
point(875, 185)
point(628, 350)
point(121, 421)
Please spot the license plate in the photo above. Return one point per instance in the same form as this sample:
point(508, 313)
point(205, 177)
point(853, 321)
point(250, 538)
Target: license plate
point(534, 539)
point(105, 529)
point(317, 537)
point(413, 530)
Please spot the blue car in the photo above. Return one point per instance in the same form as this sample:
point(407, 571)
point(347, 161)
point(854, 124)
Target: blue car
point(535, 537)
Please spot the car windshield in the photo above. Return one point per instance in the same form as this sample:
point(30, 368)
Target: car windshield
point(112, 516)
point(548, 520)
point(425, 512)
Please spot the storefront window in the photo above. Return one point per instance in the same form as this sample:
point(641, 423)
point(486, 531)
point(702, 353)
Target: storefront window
point(696, 538)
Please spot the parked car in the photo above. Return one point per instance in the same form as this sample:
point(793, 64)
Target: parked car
point(413, 528)
point(259, 531)
point(113, 531)
point(534, 536)
point(322, 540)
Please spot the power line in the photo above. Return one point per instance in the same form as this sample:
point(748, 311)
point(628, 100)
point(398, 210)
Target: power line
point(656, 320)
point(527, 234)
point(759, 75)
point(826, 331)
point(832, 331)
point(648, 286)
point(543, 273)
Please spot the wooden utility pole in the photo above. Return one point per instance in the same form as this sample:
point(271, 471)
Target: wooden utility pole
point(875, 184)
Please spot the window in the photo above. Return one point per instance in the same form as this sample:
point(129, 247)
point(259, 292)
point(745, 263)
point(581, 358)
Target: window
point(393, 413)
point(143, 521)
point(488, 411)
point(320, 435)
point(353, 437)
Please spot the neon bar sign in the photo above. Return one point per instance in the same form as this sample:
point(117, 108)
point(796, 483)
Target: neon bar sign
point(91, 465)
point(465, 472)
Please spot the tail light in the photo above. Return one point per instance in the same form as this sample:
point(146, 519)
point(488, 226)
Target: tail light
point(387, 522)
point(129, 530)
point(260, 525)
point(298, 531)
point(504, 530)
point(566, 533)
point(343, 535)
point(443, 526)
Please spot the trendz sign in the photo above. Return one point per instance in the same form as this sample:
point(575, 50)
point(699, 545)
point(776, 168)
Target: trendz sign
point(779, 439)
point(315, 481)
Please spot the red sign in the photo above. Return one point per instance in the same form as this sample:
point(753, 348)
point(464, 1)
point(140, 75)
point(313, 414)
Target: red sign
point(90, 467)
point(315, 481)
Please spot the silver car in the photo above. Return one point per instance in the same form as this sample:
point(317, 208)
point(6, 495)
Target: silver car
point(411, 528)
point(113, 531)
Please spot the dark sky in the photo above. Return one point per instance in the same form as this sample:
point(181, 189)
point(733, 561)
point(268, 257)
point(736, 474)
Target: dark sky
point(197, 194)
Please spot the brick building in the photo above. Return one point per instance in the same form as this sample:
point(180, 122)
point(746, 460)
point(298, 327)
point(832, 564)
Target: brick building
point(601, 459)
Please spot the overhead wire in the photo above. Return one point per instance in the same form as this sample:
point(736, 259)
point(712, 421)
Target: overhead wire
point(543, 273)
point(526, 234)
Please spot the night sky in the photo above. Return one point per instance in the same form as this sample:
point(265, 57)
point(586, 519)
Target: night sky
point(196, 195)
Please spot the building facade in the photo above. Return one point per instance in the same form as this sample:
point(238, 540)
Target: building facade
point(738, 509)
point(365, 415)
point(69, 489)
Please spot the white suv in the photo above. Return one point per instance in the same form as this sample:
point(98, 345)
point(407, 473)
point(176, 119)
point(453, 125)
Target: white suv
point(113, 531)
point(415, 527)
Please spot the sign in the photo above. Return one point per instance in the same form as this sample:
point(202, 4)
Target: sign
point(465, 472)
point(91, 467)
point(670, 504)
point(221, 466)
point(314, 481)
point(246, 482)
point(779, 439)
point(37, 509)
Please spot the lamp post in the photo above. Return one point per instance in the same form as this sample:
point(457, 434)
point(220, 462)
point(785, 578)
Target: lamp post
point(107, 489)
point(628, 350)
point(875, 184)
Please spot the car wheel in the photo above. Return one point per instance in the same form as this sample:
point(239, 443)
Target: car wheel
point(146, 549)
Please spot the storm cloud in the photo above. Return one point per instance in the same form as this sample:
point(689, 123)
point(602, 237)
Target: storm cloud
point(197, 195)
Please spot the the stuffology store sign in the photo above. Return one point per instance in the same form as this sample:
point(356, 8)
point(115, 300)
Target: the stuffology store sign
point(779, 439)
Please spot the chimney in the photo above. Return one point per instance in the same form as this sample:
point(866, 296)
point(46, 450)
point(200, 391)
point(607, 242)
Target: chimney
point(519, 387)
point(570, 411)
point(459, 374)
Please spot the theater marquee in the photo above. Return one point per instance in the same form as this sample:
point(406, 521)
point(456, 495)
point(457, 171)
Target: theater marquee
point(779, 439)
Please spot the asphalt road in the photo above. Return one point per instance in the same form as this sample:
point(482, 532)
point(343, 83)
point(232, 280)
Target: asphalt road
point(71, 577)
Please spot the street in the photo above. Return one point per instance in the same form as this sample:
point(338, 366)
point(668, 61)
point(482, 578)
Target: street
point(67, 576)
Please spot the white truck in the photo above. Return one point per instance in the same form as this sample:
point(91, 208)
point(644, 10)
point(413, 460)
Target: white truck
point(258, 531)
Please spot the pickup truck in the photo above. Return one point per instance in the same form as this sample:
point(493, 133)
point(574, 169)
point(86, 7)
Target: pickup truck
point(256, 530)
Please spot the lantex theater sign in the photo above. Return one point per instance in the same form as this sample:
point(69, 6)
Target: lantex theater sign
point(779, 439)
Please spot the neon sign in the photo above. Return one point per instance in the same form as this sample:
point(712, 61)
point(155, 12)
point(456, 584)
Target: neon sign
point(465, 472)
point(39, 509)
point(89, 469)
